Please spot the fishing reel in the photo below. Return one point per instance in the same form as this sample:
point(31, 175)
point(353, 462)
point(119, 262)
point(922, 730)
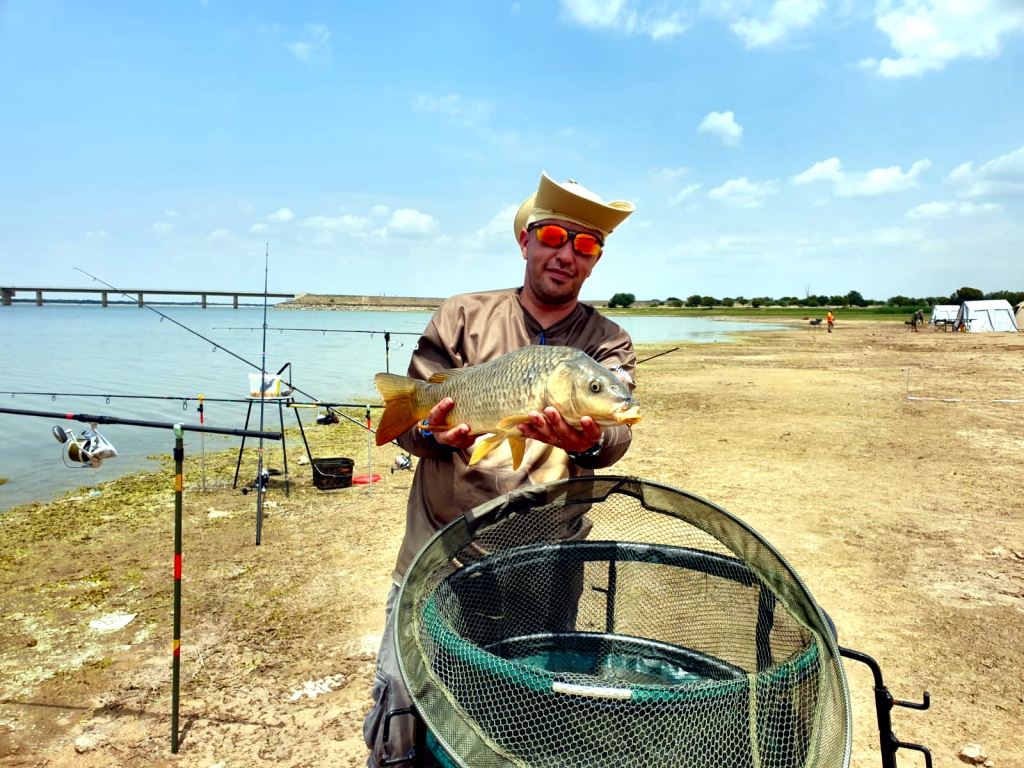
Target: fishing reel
point(261, 482)
point(402, 461)
point(88, 447)
point(327, 417)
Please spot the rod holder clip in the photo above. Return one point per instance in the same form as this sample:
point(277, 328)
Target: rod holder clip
point(884, 702)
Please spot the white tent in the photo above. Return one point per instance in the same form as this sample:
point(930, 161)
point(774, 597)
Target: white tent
point(1019, 311)
point(993, 315)
point(944, 313)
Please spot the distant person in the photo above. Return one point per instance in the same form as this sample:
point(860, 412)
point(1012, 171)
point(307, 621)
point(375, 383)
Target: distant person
point(920, 316)
point(831, 320)
point(913, 322)
point(561, 232)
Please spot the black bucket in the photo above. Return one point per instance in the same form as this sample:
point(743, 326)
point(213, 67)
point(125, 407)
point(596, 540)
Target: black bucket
point(329, 474)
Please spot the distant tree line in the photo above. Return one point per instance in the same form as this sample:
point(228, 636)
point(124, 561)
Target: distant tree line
point(851, 299)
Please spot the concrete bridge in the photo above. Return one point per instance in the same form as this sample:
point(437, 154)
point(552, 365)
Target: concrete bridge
point(8, 292)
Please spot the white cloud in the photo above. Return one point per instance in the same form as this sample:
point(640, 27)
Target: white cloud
point(740, 193)
point(701, 246)
point(724, 126)
point(219, 235)
point(97, 235)
point(885, 236)
point(1002, 176)
point(826, 170)
point(880, 181)
point(498, 228)
point(380, 210)
point(170, 214)
point(784, 17)
point(411, 223)
point(929, 34)
point(282, 215)
point(345, 224)
point(666, 174)
point(311, 42)
point(454, 107)
point(684, 194)
point(622, 16)
point(938, 210)
point(258, 228)
point(163, 228)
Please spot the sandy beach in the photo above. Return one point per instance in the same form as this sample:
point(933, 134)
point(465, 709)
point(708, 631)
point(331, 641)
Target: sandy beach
point(903, 516)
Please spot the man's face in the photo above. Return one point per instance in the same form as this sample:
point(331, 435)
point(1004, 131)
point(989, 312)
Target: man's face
point(556, 275)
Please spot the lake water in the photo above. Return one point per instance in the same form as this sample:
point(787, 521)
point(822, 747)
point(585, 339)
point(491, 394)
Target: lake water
point(125, 349)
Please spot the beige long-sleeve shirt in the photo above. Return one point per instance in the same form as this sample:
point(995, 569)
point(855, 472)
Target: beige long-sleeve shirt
point(471, 329)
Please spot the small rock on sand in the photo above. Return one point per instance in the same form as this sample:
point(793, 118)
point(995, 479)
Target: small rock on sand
point(87, 742)
point(973, 754)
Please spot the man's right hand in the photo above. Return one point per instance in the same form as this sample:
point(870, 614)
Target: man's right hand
point(458, 437)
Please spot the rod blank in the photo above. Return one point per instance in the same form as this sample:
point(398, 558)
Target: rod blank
point(91, 419)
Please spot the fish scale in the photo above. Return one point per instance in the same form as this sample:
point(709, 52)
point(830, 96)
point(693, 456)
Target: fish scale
point(494, 397)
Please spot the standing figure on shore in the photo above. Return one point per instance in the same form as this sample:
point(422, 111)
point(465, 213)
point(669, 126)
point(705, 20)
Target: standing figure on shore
point(561, 232)
point(831, 320)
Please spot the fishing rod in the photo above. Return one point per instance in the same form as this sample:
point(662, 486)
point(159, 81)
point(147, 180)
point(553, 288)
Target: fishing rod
point(100, 419)
point(657, 355)
point(220, 346)
point(387, 337)
point(315, 330)
point(263, 480)
point(184, 400)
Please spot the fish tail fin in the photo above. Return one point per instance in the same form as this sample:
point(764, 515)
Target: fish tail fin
point(399, 405)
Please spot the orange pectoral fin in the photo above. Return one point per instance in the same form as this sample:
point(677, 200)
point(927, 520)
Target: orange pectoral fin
point(485, 446)
point(509, 423)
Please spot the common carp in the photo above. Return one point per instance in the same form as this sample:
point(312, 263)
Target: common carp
point(497, 396)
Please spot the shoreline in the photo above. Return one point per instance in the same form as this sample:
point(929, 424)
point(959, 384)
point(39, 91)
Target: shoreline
point(807, 437)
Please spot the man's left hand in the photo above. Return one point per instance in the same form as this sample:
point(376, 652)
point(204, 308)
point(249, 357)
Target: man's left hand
point(549, 427)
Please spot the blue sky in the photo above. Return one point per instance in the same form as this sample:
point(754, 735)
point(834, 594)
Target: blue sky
point(772, 147)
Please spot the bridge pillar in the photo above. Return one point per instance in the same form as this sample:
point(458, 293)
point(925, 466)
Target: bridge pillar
point(140, 299)
point(39, 298)
point(204, 301)
point(104, 298)
point(236, 301)
point(7, 294)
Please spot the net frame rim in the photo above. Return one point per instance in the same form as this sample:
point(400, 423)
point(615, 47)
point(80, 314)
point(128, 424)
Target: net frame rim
point(543, 494)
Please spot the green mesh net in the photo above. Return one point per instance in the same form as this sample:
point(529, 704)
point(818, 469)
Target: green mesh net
point(612, 621)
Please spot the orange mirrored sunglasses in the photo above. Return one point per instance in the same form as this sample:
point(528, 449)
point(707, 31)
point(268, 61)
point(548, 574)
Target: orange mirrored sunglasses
point(555, 236)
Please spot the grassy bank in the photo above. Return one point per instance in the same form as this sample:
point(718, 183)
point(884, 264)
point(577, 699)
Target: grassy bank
point(765, 313)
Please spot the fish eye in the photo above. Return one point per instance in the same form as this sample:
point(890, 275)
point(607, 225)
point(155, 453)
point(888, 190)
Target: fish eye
point(595, 385)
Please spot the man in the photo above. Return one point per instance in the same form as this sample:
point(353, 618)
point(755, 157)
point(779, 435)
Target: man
point(561, 231)
point(831, 320)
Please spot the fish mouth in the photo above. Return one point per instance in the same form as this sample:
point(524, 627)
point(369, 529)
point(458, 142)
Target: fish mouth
point(629, 415)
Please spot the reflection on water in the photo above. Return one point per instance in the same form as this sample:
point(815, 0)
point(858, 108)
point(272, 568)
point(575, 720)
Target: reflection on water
point(127, 350)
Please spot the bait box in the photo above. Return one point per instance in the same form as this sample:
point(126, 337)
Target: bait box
point(329, 474)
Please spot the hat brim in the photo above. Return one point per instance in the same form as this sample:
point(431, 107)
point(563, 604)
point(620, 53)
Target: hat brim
point(552, 200)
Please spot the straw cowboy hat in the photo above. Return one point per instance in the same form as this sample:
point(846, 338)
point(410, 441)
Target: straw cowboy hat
point(570, 202)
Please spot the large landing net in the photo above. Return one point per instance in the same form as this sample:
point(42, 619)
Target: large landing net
point(612, 621)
